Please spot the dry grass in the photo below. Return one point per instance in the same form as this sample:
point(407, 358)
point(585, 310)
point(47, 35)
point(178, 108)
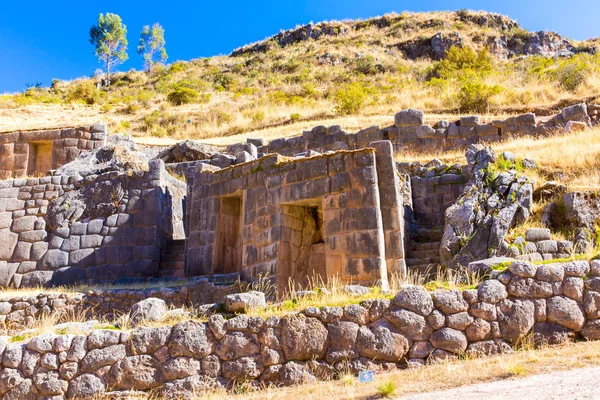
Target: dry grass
point(573, 158)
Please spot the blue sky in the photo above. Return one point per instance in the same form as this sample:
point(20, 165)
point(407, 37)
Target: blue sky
point(41, 40)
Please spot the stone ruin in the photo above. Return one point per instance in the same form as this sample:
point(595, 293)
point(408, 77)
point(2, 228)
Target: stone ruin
point(330, 215)
point(323, 204)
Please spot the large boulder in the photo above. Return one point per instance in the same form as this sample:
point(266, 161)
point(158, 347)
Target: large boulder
point(491, 203)
point(191, 339)
point(188, 150)
point(449, 339)
point(105, 159)
point(382, 341)
point(150, 309)
point(414, 298)
point(240, 302)
point(516, 318)
point(303, 338)
point(141, 372)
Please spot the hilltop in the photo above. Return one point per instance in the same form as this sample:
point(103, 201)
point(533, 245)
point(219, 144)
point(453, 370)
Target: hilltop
point(441, 62)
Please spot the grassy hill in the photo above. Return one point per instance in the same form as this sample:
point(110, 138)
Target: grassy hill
point(361, 71)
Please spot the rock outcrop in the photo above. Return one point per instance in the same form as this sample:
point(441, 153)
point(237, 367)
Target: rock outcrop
point(492, 202)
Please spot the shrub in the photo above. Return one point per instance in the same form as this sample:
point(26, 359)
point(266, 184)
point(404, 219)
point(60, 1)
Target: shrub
point(85, 91)
point(386, 389)
point(573, 72)
point(464, 61)
point(258, 117)
point(178, 66)
point(367, 66)
point(182, 95)
point(474, 95)
point(350, 99)
point(295, 117)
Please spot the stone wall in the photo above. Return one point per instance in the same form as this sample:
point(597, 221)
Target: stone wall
point(556, 303)
point(411, 134)
point(22, 312)
point(255, 218)
point(59, 230)
point(434, 188)
point(32, 153)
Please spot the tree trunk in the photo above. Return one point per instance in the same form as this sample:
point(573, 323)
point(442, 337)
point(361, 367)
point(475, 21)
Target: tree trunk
point(107, 71)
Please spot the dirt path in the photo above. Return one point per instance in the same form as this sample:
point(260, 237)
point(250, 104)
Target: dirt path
point(576, 384)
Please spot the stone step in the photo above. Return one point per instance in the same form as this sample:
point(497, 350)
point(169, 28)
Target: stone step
point(171, 273)
point(416, 246)
point(173, 256)
point(172, 265)
point(410, 262)
point(175, 250)
point(423, 254)
point(424, 235)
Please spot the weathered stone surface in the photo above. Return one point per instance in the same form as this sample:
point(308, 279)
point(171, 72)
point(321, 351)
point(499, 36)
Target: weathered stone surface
point(85, 386)
point(523, 269)
point(450, 301)
point(591, 330)
point(516, 318)
point(480, 329)
point(140, 372)
point(565, 312)
point(529, 288)
point(546, 333)
point(342, 335)
point(303, 338)
point(191, 339)
point(244, 368)
point(537, 234)
point(381, 341)
point(293, 373)
point(239, 302)
point(151, 309)
point(411, 324)
point(459, 321)
point(237, 344)
point(148, 340)
point(415, 299)
point(484, 311)
point(410, 117)
point(449, 339)
point(491, 291)
point(98, 358)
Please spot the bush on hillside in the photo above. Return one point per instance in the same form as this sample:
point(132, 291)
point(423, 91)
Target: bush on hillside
point(350, 99)
point(182, 95)
point(85, 91)
point(464, 61)
point(475, 96)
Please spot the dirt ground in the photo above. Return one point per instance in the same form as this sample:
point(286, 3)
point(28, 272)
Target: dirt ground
point(576, 384)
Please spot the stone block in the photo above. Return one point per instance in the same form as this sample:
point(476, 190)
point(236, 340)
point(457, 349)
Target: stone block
point(410, 117)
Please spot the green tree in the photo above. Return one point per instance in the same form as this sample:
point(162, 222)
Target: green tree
point(152, 45)
point(109, 37)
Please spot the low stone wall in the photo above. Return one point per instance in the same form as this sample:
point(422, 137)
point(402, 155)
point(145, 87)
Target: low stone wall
point(18, 313)
point(557, 303)
point(411, 134)
point(35, 152)
point(22, 312)
point(537, 245)
point(59, 230)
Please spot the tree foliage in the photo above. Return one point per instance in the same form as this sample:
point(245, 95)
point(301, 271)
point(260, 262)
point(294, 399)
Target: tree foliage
point(152, 45)
point(109, 38)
